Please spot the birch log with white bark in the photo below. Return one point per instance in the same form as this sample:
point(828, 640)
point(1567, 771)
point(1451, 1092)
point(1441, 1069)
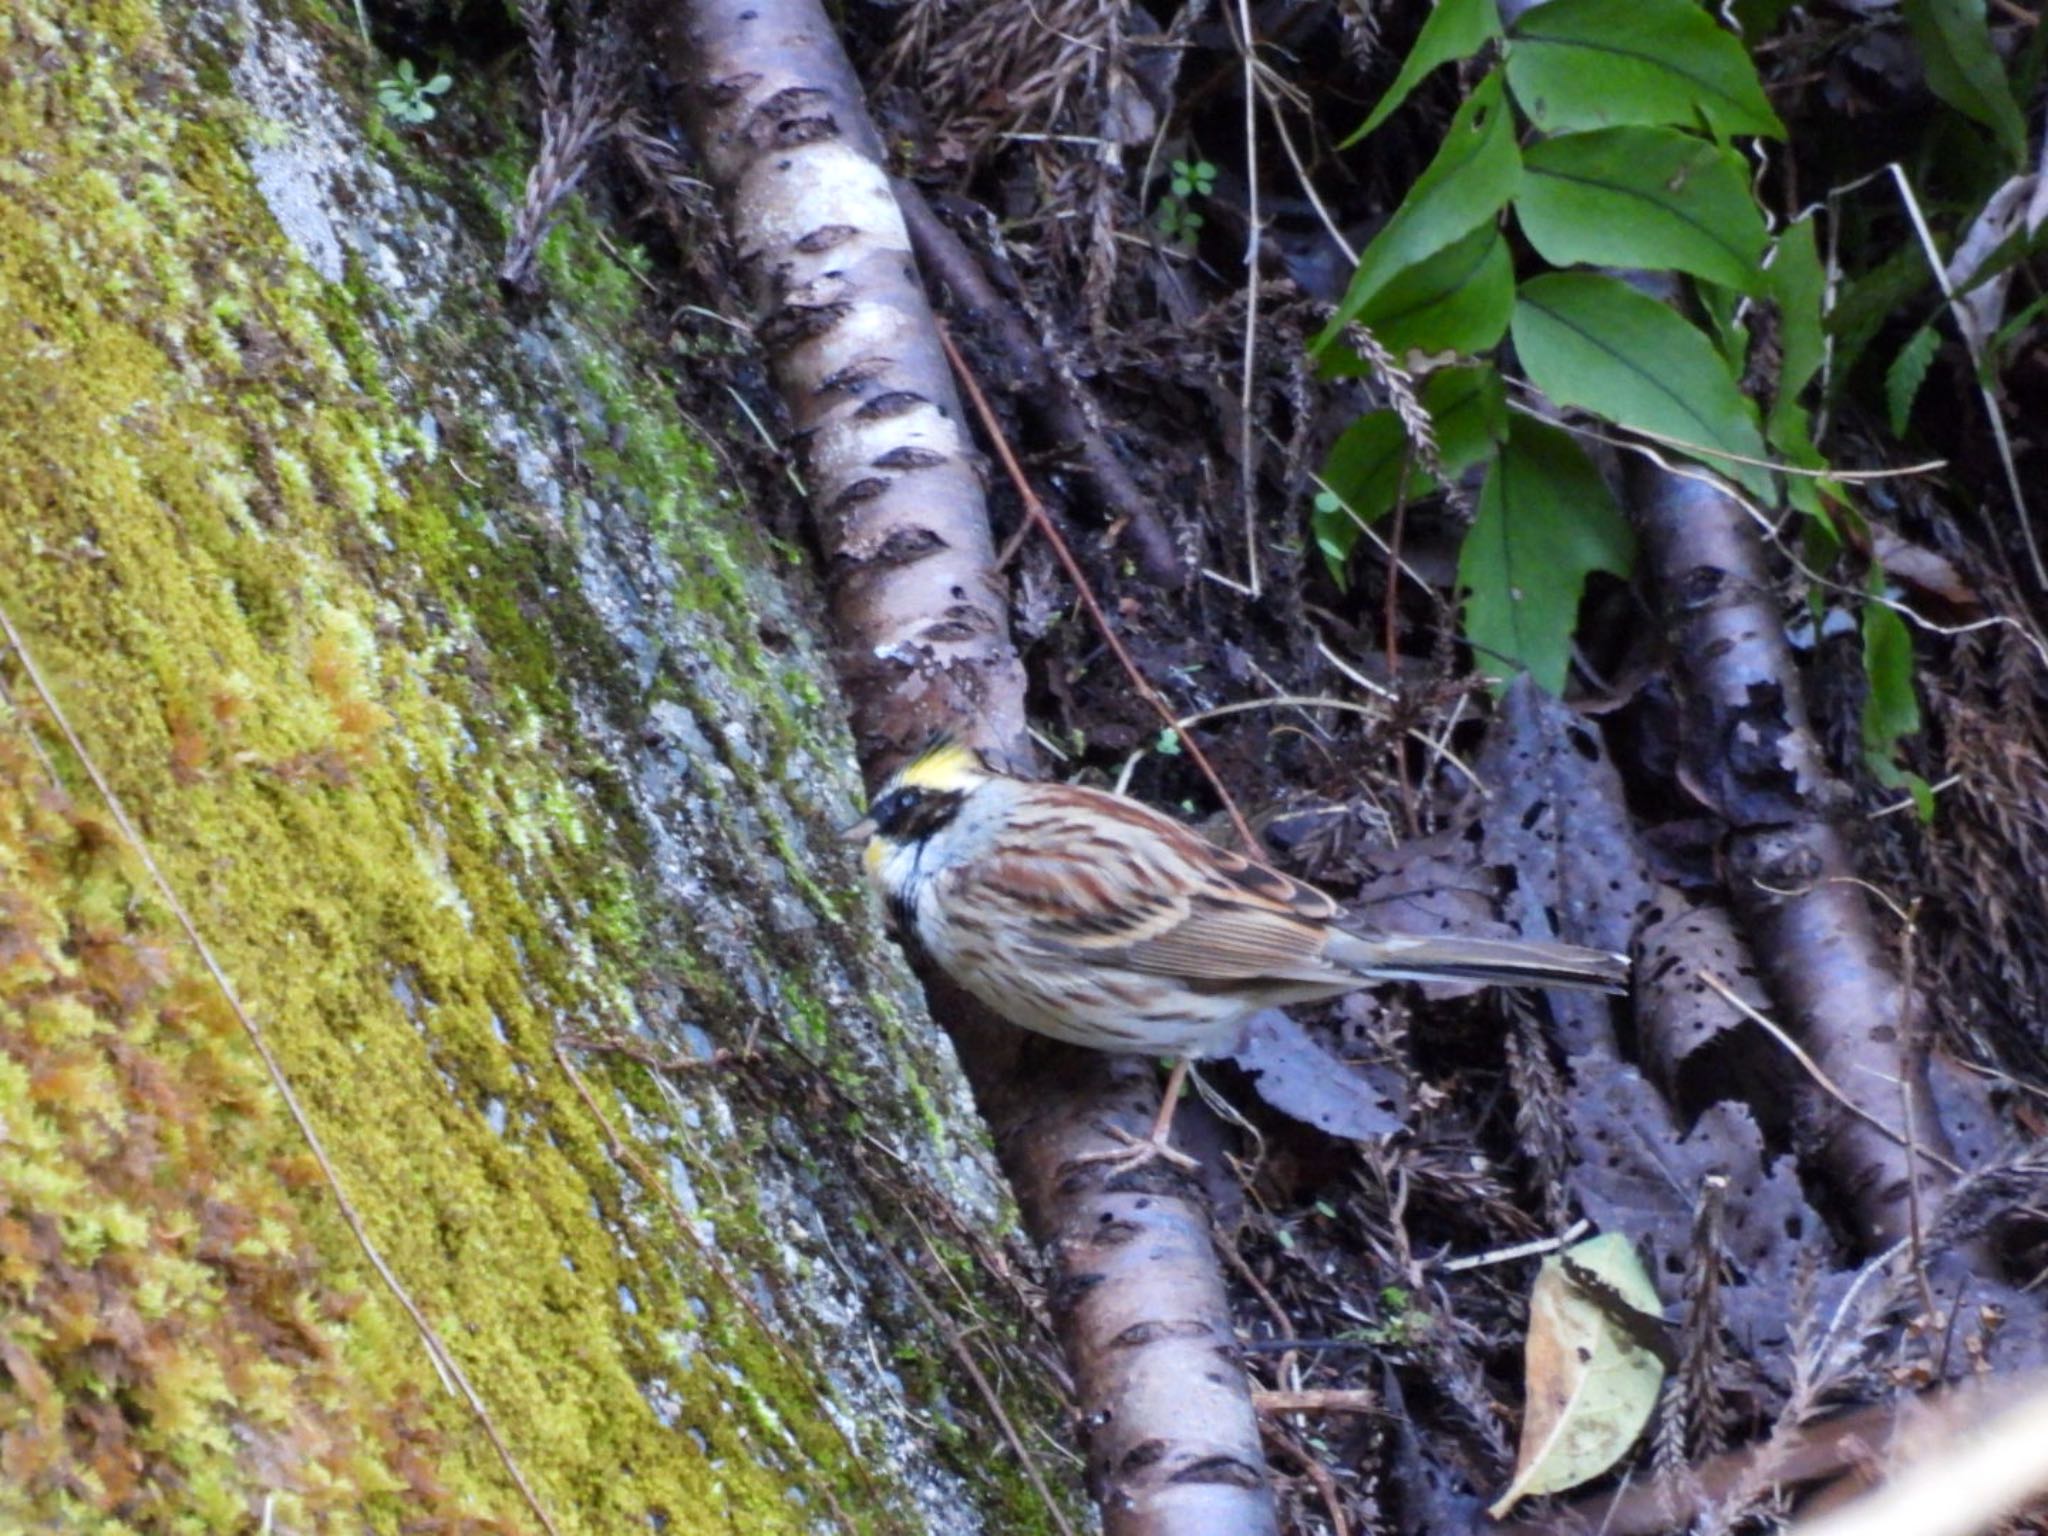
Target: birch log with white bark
point(778, 118)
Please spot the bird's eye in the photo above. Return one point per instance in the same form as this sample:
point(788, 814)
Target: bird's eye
point(891, 810)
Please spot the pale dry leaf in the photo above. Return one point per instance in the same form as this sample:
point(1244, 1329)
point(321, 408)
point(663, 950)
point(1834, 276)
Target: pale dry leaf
point(1591, 1373)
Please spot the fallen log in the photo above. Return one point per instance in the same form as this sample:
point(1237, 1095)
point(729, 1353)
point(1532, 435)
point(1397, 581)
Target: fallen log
point(778, 120)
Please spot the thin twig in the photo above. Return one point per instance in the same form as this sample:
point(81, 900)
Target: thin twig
point(1034, 509)
point(1812, 1067)
point(1915, 1234)
point(1247, 434)
point(1318, 1400)
point(1774, 535)
point(443, 1360)
point(1706, 451)
point(1301, 176)
point(1314, 1470)
point(1994, 415)
point(35, 743)
point(1528, 1250)
point(967, 1362)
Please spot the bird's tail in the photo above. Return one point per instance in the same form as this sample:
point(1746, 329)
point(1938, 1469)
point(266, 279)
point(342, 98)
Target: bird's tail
point(1499, 962)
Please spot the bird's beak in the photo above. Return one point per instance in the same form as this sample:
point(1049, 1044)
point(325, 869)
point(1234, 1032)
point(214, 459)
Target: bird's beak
point(859, 832)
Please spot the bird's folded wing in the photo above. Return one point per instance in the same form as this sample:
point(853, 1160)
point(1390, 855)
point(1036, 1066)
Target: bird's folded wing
point(1243, 921)
point(1237, 942)
point(1159, 900)
point(1062, 902)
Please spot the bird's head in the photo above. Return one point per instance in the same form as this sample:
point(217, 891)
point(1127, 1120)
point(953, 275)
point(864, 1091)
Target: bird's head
point(920, 799)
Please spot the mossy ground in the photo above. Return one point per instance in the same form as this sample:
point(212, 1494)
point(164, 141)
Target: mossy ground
point(329, 641)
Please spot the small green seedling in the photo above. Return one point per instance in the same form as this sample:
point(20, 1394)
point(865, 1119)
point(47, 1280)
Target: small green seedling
point(406, 98)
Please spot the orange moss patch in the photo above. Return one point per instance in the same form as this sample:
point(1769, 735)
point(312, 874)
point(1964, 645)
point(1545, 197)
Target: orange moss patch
point(170, 1336)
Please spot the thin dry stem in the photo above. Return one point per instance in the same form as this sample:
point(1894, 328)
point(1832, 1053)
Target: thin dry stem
point(575, 121)
point(1035, 510)
point(1826, 1084)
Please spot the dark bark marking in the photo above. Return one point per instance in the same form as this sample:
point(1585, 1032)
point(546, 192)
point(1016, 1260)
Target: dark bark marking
point(1140, 1456)
point(908, 457)
point(894, 402)
point(732, 87)
point(1152, 1330)
point(1700, 587)
point(791, 118)
point(799, 322)
point(1067, 1293)
point(1220, 1469)
point(904, 545)
point(1113, 1232)
point(854, 377)
point(824, 238)
point(790, 100)
point(799, 131)
point(961, 623)
point(858, 492)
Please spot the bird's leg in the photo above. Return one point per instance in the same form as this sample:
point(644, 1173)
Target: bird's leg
point(1154, 1146)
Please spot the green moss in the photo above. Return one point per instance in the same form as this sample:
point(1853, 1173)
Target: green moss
point(217, 588)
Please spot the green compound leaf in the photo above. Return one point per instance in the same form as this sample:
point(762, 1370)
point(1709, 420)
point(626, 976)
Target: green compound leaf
point(1546, 521)
point(1362, 478)
point(1474, 174)
point(1364, 474)
point(1722, 310)
point(1908, 371)
point(1865, 304)
point(1596, 343)
point(1643, 197)
point(1798, 285)
point(1963, 67)
point(1459, 300)
point(1891, 711)
point(1456, 29)
point(1600, 63)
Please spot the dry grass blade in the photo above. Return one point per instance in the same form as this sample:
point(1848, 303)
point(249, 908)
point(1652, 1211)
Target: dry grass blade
point(1248, 440)
point(1313, 1469)
point(1014, 64)
point(989, 1397)
point(1826, 1084)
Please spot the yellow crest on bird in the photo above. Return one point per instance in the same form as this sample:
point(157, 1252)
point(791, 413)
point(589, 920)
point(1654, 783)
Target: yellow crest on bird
point(947, 763)
point(947, 768)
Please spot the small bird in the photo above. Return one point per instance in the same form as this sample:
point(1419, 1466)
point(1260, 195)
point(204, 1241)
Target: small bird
point(1095, 919)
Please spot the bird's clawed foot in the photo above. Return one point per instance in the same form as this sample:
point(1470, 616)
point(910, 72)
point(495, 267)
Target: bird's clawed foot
point(1138, 1152)
point(1155, 1145)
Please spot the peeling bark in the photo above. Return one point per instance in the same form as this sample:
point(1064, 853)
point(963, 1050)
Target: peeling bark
point(1172, 1446)
point(1748, 751)
point(1138, 1296)
point(778, 118)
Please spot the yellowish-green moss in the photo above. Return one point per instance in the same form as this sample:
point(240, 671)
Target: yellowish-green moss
point(169, 1325)
point(327, 670)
